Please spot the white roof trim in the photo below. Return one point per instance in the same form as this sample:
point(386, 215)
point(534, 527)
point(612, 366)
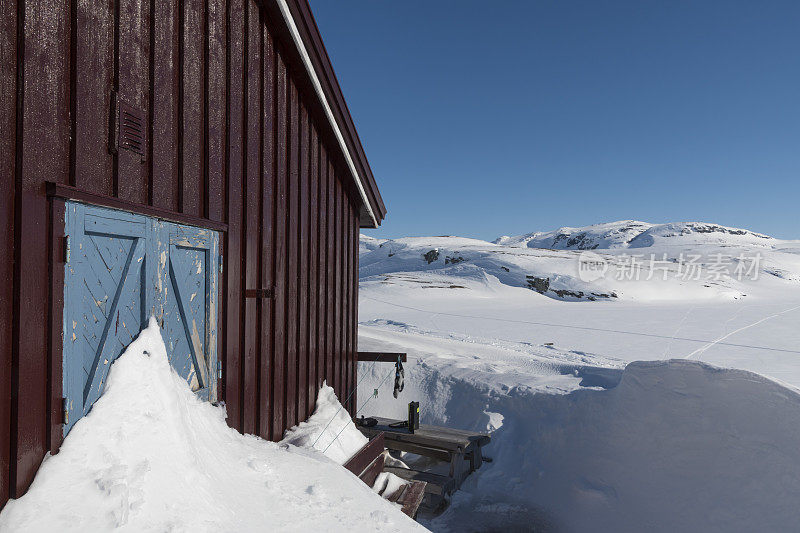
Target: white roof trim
point(298, 41)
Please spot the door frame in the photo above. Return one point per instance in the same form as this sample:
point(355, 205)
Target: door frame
point(58, 195)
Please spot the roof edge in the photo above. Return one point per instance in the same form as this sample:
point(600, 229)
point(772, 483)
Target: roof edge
point(307, 41)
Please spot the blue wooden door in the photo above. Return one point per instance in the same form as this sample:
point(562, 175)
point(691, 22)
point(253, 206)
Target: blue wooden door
point(122, 268)
point(190, 305)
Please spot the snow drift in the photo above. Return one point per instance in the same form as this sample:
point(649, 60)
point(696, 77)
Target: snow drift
point(151, 456)
point(675, 446)
point(329, 430)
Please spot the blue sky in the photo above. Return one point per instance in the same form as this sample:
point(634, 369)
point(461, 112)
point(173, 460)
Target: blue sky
point(488, 118)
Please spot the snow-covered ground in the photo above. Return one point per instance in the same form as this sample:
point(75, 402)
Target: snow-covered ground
point(530, 336)
point(151, 456)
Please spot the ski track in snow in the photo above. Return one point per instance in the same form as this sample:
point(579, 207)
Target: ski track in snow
point(757, 322)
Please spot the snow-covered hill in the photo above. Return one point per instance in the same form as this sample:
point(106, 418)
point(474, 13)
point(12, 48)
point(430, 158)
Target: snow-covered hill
point(636, 234)
point(634, 260)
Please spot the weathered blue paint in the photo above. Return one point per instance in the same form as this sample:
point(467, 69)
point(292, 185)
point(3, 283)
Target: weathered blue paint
point(190, 310)
point(123, 268)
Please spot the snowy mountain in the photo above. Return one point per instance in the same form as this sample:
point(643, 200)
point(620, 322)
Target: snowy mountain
point(635, 234)
point(641, 261)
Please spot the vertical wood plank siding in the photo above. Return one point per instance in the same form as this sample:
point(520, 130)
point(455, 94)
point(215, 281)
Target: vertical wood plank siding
point(8, 141)
point(236, 135)
point(267, 255)
point(280, 256)
point(163, 115)
point(292, 238)
point(43, 150)
point(132, 58)
point(251, 201)
point(302, 271)
point(313, 270)
point(236, 75)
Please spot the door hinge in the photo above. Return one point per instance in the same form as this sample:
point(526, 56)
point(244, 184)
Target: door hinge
point(219, 369)
point(66, 249)
point(65, 410)
point(221, 263)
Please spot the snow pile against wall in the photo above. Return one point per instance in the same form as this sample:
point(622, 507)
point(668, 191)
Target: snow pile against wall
point(676, 446)
point(329, 430)
point(151, 456)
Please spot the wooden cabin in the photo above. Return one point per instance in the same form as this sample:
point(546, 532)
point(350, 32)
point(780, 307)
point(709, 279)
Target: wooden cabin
point(192, 160)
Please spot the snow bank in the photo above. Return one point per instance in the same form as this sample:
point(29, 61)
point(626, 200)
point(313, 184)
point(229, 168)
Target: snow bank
point(328, 430)
point(676, 446)
point(152, 457)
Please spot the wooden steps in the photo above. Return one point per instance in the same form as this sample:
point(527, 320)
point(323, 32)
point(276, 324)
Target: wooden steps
point(370, 461)
point(461, 450)
point(410, 497)
point(438, 487)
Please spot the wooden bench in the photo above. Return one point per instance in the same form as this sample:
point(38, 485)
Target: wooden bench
point(462, 450)
point(370, 461)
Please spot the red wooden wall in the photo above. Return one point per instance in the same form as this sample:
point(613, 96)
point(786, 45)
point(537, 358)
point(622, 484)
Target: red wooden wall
point(238, 142)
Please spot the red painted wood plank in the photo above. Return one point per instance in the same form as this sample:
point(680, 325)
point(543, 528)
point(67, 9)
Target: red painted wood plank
point(45, 150)
point(341, 237)
point(302, 282)
point(131, 84)
point(192, 101)
point(346, 302)
point(56, 327)
point(313, 268)
point(233, 242)
point(356, 226)
point(337, 290)
point(163, 160)
point(330, 280)
point(215, 110)
point(8, 145)
point(370, 474)
point(412, 497)
point(94, 64)
point(280, 251)
point(267, 237)
point(251, 259)
point(293, 223)
point(351, 367)
point(366, 455)
point(345, 299)
point(322, 324)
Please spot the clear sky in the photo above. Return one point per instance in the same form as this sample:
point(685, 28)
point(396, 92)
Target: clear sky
point(485, 118)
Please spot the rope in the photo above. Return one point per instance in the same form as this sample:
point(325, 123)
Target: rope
point(371, 396)
point(341, 405)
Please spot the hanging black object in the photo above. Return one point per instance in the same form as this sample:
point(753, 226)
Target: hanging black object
point(399, 377)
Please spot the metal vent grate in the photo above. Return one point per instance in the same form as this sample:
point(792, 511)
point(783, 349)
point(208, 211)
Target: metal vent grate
point(132, 129)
